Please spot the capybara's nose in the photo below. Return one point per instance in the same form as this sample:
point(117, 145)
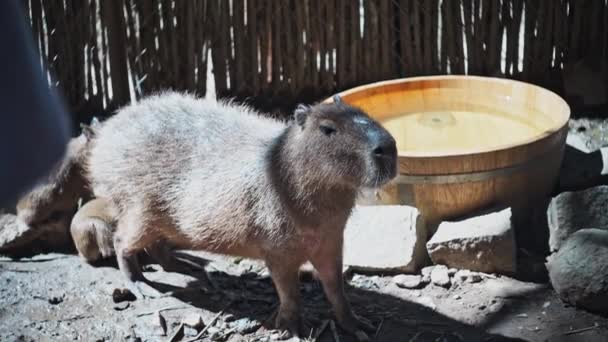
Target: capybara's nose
point(383, 145)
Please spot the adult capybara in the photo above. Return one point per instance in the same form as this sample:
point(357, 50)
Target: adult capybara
point(220, 177)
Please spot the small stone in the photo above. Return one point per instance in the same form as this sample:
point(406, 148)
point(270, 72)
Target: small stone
point(440, 277)
point(475, 278)
point(482, 307)
point(483, 243)
point(426, 274)
point(245, 326)
point(578, 271)
point(407, 281)
point(122, 295)
point(385, 238)
point(194, 320)
point(452, 271)
point(457, 297)
point(55, 300)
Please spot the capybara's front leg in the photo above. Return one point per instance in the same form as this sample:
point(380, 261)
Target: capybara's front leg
point(128, 242)
point(285, 277)
point(328, 262)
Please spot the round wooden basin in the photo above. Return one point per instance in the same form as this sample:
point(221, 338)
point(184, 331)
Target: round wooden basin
point(467, 143)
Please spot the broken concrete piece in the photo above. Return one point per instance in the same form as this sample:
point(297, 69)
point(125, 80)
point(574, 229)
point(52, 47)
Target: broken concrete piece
point(578, 271)
point(385, 238)
point(440, 277)
point(408, 281)
point(484, 243)
point(575, 210)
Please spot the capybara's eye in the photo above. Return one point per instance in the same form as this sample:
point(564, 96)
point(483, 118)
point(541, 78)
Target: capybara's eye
point(327, 130)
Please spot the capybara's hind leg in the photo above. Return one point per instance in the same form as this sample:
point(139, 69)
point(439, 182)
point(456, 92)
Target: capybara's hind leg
point(128, 242)
point(285, 277)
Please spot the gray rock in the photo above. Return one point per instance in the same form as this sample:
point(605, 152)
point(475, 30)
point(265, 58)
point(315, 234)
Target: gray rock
point(575, 210)
point(408, 281)
point(385, 238)
point(483, 243)
point(439, 276)
point(579, 270)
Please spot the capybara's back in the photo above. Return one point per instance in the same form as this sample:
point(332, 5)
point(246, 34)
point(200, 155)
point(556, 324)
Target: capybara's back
point(195, 162)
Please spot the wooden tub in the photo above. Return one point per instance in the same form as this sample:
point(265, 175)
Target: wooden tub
point(467, 143)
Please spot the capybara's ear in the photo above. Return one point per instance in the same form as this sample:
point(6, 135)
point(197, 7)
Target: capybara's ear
point(301, 113)
point(87, 131)
point(337, 99)
point(94, 122)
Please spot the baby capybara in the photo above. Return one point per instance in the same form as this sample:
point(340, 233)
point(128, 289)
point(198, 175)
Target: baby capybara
point(216, 176)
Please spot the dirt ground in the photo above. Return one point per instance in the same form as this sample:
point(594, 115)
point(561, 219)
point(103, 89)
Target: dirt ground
point(56, 297)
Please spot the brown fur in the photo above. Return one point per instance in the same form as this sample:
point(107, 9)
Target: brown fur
point(56, 197)
point(92, 230)
point(220, 177)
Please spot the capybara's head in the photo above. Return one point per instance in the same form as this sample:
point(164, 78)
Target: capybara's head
point(346, 144)
point(56, 195)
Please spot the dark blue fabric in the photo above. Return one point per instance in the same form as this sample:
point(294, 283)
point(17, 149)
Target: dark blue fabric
point(34, 128)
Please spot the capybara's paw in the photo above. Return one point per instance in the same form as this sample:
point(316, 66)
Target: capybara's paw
point(357, 326)
point(143, 290)
point(364, 324)
point(289, 325)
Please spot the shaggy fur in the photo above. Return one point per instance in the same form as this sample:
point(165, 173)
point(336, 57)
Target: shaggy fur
point(92, 230)
point(216, 176)
point(56, 196)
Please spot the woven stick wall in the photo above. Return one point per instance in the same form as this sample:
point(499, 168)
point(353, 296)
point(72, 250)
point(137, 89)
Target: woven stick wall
point(275, 53)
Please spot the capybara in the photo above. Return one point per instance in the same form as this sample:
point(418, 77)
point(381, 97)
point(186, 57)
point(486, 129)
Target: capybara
point(57, 195)
point(92, 230)
point(217, 176)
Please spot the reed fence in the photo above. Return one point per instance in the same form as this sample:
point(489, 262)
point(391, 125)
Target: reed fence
point(275, 53)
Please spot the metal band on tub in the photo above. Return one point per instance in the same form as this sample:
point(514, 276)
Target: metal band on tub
point(469, 177)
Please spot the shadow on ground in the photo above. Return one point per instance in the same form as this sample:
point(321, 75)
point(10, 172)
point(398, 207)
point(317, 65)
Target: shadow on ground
point(252, 296)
